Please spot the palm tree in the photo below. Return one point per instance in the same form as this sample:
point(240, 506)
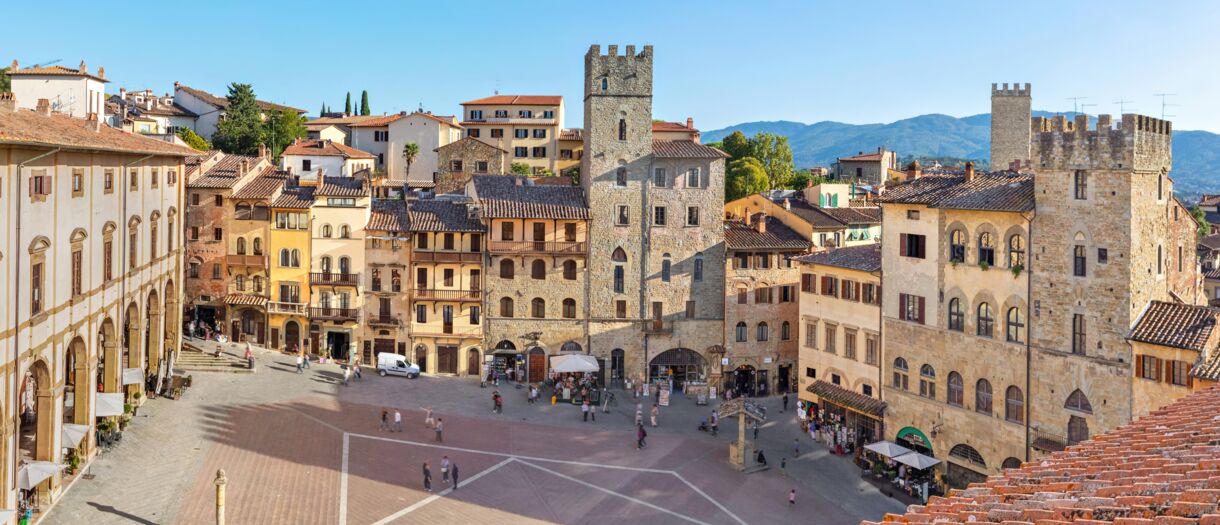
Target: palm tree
point(410, 151)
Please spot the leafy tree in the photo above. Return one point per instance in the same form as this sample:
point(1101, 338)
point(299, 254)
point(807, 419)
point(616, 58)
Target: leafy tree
point(410, 151)
point(775, 154)
point(347, 105)
point(281, 128)
point(522, 169)
point(737, 146)
point(193, 140)
point(745, 176)
point(241, 130)
point(5, 82)
point(364, 103)
point(1205, 228)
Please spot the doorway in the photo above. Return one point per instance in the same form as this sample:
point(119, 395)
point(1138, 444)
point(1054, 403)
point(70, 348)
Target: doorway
point(782, 385)
point(537, 365)
point(337, 344)
point(743, 380)
point(292, 336)
point(472, 362)
point(446, 359)
point(616, 367)
point(421, 358)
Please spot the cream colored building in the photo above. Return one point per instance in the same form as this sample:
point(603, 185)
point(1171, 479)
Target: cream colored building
point(526, 126)
point(826, 227)
point(339, 213)
point(73, 92)
point(325, 158)
point(93, 246)
point(427, 131)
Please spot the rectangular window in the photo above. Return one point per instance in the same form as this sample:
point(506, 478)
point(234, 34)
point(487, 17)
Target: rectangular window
point(521, 152)
point(218, 201)
point(692, 216)
point(1148, 367)
point(36, 288)
point(455, 165)
point(849, 344)
point(78, 182)
point(620, 309)
point(1081, 183)
point(811, 335)
point(1103, 256)
point(620, 177)
point(540, 133)
point(913, 215)
point(911, 245)
point(540, 152)
point(869, 295)
point(548, 114)
point(521, 133)
point(658, 216)
point(1179, 373)
point(623, 216)
point(421, 241)
point(217, 234)
point(851, 290)
point(216, 271)
point(447, 241)
point(525, 113)
point(787, 293)
point(831, 331)
point(497, 133)
point(870, 350)
point(134, 179)
point(108, 260)
point(693, 179)
point(133, 252)
point(569, 232)
point(811, 372)
point(1078, 329)
point(476, 114)
point(154, 174)
point(658, 177)
point(421, 313)
point(473, 132)
point(690, 309)
point(108, 183)
point(830, 286)
point(1078, 261)
point(697, 274)
point(480, 166)
point(911, 308)
point(474, 315)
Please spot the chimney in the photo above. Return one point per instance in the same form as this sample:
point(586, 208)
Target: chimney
point(8, 103)
point(93, 121)
point(690, 123)
point(969, 171)
point(245, 166)
point(83, 68)
point(122, 94)
point(913, 170)
point(761, 223)
point(43, 107)
point(748, 214)
point(176, 85)
point(262, 151)
point(101, 72)
point(788, 203)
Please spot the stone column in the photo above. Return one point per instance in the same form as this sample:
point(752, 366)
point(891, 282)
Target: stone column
point(134, 359)
point(154, 342)
point(221, 481)
point(110, 381)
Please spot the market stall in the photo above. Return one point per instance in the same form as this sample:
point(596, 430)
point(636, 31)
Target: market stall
point(845, 419)
point(575, 377)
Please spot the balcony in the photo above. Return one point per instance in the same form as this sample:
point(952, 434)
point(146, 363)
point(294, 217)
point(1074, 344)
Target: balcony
point(334, 314)
point(447, 257)
point(334, 279)
point(658, 327)
point(380, 319)
point(253, 261)
point(287, 308)
point(447, 295)
point(558, 248)
point(1048, 442)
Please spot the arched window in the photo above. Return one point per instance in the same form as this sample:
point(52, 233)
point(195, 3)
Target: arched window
point(1016, 251)
point(345, 232)
point(957, 246)
point(569, 308)
point(622, 129)
point(506, 307)
point(927, 381)
point(326, 231)
point(619, 255)
point(620, 177)
point(325, 263)
point(538, 307)
point(785, 331)
point(296, 258)
point(605, 84)
point(956, 316)
point(741, 332)
point(345, 265)
point(1015, 325)
point(538, 269)
point(1011, 463)
point(763, 331)
point(285, 258)
point(258, 284)
point(569, 270)
point(697, 273)
point(900, 373)
point(967, 453)
point(1014, 405)
point(241, 246)
point(240, 281)
point(258, 244)
point(1079, 402)
point(665, 267)
point(506, 269)
point(986, 320)
point(982, 397)
point(619, 275)
point(956, 389)
point(986, 249)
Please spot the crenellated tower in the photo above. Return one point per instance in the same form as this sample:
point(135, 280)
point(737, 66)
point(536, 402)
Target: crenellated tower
point(1010, 125)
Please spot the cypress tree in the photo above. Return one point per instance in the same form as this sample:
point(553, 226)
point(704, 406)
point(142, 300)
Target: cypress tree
point(364, 103)
point(323, 112)
point(347, 106)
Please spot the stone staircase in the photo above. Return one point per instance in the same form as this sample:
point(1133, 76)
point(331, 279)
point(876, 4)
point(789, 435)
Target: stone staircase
point(193, 358)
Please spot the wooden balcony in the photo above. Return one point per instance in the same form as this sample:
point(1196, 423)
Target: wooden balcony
point(447, 257)
point(287, 308)
point(253, 261)
point(380, 319)
point(658, 327)
point(543, 247)
point(334, 314)
point(447, 295)
point(334, 279)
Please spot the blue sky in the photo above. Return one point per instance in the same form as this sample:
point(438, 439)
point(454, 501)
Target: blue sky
point(719, 62)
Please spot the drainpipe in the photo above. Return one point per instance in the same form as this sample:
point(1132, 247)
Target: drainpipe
point(1029, 329)
point(880, 345)
point(16, 251)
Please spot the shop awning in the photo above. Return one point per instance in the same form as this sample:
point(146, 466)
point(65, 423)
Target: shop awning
point(35, 472)
point(133, 376)
point(109, 404)
point(861, 403)
point(74, 434)
point(574, 363)
point(917, 460)
point(888, 449)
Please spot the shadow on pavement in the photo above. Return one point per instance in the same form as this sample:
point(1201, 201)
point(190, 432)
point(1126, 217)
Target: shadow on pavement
point(129, 517)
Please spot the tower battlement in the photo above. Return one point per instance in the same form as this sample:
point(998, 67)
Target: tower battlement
point(1138, 142)
point(628, 74)
point(998, 90)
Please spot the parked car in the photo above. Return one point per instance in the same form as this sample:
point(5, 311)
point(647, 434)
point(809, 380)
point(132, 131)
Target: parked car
point(394, 364)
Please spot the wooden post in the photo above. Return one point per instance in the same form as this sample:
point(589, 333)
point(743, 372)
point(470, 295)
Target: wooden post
point(221, 481)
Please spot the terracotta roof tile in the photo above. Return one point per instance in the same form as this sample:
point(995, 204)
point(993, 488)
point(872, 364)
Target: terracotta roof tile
point(671, 126)
point(377, 121)
point(1208, 367)
point(224, 174)
point(685, 149)
point(1212, 242)
point(441, 215)
point(866, 257)
point(223, 102)
point(1209, 200)
point(506, 196)
point(862, 157)
point(300, 198)
point(516, 100)
point(165, 110)
point(997, 191)
point(325, 148)
point(465, 140)
point(848, 398)
point(263, 186)
point(739, 236)
point(850, 216)
point(56, 71)
point(815, 216)
point(571, 134)
point(26, 127)
point(1177, 325)
point(342, 187)
point(389, 215)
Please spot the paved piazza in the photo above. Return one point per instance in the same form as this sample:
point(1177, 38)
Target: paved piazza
point(305, 449)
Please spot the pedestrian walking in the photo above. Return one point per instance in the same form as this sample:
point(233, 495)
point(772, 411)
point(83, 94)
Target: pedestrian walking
point(640, 434)
point(497, 402)
point(785, 402)
point(300, 363)
point(755, 431)
point(428, 420)
point(653, 415)
point(347, 374)
point(440, 427)
point(715, 420)
point(306, 356)
point(427, 477)
point(397, 420)
point(796, 448)
point(385, 420)
point(356, 368)
point(584, 411)
point(445, 469)
point(639, 415)
point(593, 413)
point(792, 498)
point(454, 472)
point(249, 356)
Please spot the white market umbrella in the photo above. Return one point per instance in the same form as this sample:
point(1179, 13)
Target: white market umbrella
point(917, 460)
point(72, 435)
point(33, 473)
point(6, 514)
point(574, 363)
point(133, 376)
point(109, 404)
point(888, 449)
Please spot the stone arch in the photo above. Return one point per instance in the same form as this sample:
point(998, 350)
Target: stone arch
point(292, 335)
point(109, 227)
point(1079, 402)
point(155, 215)
point(36, 408)
point(152, 333)
point(134, 221)
point(860, 383)
point(131, 344)
point(76, 382)
point(108, 357)
point(967, 235)
point(969, 454)
point(40, 244)
point(618, 255)
point(1011, 462)
point(171, 321)
point(78, 235)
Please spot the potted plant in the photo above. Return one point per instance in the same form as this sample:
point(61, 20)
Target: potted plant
point(1017, 269)
point(984, 265)
point(74, 461)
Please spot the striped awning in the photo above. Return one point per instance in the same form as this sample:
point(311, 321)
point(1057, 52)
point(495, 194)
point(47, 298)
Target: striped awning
point(241, 299)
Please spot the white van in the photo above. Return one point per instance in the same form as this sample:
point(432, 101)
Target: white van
point(394, 364)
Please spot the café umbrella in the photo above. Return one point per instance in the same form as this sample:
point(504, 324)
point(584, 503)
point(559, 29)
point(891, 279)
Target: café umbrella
point(917, 460)
point(73, 434)
point(888, 449)
point(574, 363)
point(35, 472)
point(109, 404)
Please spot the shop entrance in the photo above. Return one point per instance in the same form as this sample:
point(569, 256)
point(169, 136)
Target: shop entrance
point(781, 385)
point(743, 380)
point(680, 364)
point(337, 344)
point(472, 362)
point(446, 359)
point(292, 336)
point(537, 365)
point(421, 358)
point(616, 367)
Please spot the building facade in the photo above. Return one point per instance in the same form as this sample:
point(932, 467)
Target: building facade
point(461, 160)
point(338, 214)
point(387, 313)
point(290, 245)
point(73, 92)
point(526, 126)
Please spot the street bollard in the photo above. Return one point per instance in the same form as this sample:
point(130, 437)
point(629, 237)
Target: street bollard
point(221, 481)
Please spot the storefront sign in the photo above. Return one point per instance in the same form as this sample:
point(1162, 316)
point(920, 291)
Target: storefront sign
point(766, 360)
point(724, 361)
point(663, 398)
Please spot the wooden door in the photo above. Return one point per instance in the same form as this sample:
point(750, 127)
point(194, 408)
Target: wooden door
point(275, 338)
point(472, 362)
point(235, 332)
point(537, 365)
point(261, 328)
point(540, 236)
point(446, 357)
point(313, 343)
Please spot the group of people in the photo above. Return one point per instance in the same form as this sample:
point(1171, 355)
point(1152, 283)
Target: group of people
point(449, 473)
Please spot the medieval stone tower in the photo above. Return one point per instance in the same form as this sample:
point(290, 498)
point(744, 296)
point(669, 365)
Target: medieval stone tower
point(656, 272)
point(1100, 250)
point(1010, 125)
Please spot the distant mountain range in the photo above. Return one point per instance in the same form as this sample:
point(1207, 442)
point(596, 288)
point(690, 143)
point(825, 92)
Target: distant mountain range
point(1195, 153)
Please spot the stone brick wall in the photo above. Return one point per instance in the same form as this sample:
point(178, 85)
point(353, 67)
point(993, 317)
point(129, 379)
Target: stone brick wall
point(470, 152)
point(1010, 124)
point(781, 351)
point(205, 250)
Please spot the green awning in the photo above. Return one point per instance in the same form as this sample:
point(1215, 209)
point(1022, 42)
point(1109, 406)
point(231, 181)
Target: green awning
point(912, 431)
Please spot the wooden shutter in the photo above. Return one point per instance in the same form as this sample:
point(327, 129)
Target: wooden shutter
point(1159, 369)
point(902, 306)
point(877, 294)
point(1139, 366)
point(1190, 380)
point(920, 299)
point(858, 288)
point(902, 244)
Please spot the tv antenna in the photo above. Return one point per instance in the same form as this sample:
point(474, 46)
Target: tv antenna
point(1165, 104)
point(1075, 103)
point(1122, 105)
point(1082, 106)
